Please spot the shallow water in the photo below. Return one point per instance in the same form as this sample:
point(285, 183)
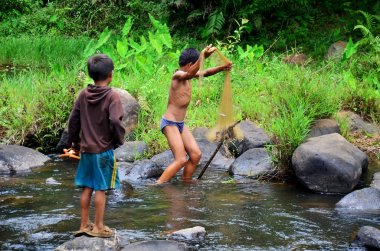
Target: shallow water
point(244, 215)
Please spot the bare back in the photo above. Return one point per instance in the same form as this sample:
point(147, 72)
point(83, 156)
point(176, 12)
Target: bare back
point(179, 99)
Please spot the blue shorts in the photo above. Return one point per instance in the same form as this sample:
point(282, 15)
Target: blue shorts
point(97, 171)
point(165, 122)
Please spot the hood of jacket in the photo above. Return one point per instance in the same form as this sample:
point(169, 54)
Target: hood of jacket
point(95, 94)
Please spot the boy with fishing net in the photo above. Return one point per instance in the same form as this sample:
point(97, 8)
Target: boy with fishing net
point(95, 129)
point(178, 135)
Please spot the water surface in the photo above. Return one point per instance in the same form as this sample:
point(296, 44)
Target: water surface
point(244, 215)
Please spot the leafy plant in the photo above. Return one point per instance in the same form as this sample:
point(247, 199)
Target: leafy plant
point(214, 24)
point(372, 25)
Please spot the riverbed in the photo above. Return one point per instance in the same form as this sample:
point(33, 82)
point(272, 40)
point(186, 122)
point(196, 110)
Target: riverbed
point(238, 214)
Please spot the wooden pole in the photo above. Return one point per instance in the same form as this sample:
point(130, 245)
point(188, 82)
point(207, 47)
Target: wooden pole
point(217, 149)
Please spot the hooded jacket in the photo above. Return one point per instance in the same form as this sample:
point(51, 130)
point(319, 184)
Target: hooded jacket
point(95, 123)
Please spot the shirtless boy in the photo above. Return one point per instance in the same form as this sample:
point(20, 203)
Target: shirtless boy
point(180, 139)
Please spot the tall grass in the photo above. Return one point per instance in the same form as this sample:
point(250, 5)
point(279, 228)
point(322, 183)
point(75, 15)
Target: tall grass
point(42, 52)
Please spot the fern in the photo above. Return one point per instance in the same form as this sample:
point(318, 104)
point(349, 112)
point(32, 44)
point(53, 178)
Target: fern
point(214, 24)
point(368, 29)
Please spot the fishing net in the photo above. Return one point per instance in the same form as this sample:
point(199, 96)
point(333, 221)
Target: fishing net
point(225, 121)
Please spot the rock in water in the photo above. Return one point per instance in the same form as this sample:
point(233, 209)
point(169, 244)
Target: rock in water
point(15, 159)
point(156, 246)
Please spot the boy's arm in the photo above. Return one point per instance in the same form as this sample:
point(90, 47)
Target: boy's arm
point(74, 127)
point(215, 70)
point(192, 72)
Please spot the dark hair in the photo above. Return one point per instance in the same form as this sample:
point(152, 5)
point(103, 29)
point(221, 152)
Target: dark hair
point(189, 55)
point(99, 67)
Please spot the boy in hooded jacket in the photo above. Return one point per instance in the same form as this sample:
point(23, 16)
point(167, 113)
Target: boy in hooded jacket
point(95, 129)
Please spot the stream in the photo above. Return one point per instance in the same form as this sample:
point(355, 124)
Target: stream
point(237, 214)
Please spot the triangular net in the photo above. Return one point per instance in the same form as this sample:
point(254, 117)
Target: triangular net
point(226, 115)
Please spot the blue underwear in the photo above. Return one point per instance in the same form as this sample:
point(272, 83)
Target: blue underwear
point(166, 122)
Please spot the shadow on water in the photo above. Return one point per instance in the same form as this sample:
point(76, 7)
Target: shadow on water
point(238, 215)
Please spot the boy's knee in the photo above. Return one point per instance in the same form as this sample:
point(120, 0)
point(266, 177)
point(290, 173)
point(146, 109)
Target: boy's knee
point(196, 156)
point(181, 160)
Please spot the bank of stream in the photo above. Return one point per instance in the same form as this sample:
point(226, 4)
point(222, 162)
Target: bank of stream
point(237, 214)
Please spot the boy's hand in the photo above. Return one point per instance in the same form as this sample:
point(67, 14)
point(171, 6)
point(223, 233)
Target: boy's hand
point(208, 50)
point(227, 67)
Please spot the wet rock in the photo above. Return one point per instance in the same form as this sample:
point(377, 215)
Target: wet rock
point(323, 127)
point(219, 161)
point(130, 107)
point(329, 163)
point(126, 188)
point(200, 133)
point(15, 159)
point(131, 150)
point(253, 163)
point(124, 169)
point(85, 243)
point(376, 181)
point(364, 199)
point(52, 181)
point(369, 237)
point(163, 159)
point(336, 50)
point(356, 123)
point(144, 169)
point(254, 137)
point(193, 233)
point(156, 245)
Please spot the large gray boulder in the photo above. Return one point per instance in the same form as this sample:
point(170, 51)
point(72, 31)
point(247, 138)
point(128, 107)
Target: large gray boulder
point(85, 243)
point(131, 150)
point(163, 159)
point(356, 123)
point(124, 169)
point(363, 199)
point(142, 170)
point(254, 137)
point(156, 245)
point(329, 164)
point(16, 159)
point(218, 162)
point(253, 163)
point(369, 237)
point(131, 109)
point(323, 127)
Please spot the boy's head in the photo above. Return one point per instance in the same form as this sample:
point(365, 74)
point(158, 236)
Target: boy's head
point(100, 67)
point(189, 55)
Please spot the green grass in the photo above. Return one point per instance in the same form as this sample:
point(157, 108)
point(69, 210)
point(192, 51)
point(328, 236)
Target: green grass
point(42, 52)
point(283, 99)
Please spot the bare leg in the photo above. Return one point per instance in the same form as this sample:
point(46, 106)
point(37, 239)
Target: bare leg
point(100, 204)
point(85, 199)
point(176, 145)
point(193, 151)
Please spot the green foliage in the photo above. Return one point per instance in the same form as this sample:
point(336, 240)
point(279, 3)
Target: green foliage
point(350, 50)
point(214, 24)
point(230, 43)
point(370, 31)
point(362, 78)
